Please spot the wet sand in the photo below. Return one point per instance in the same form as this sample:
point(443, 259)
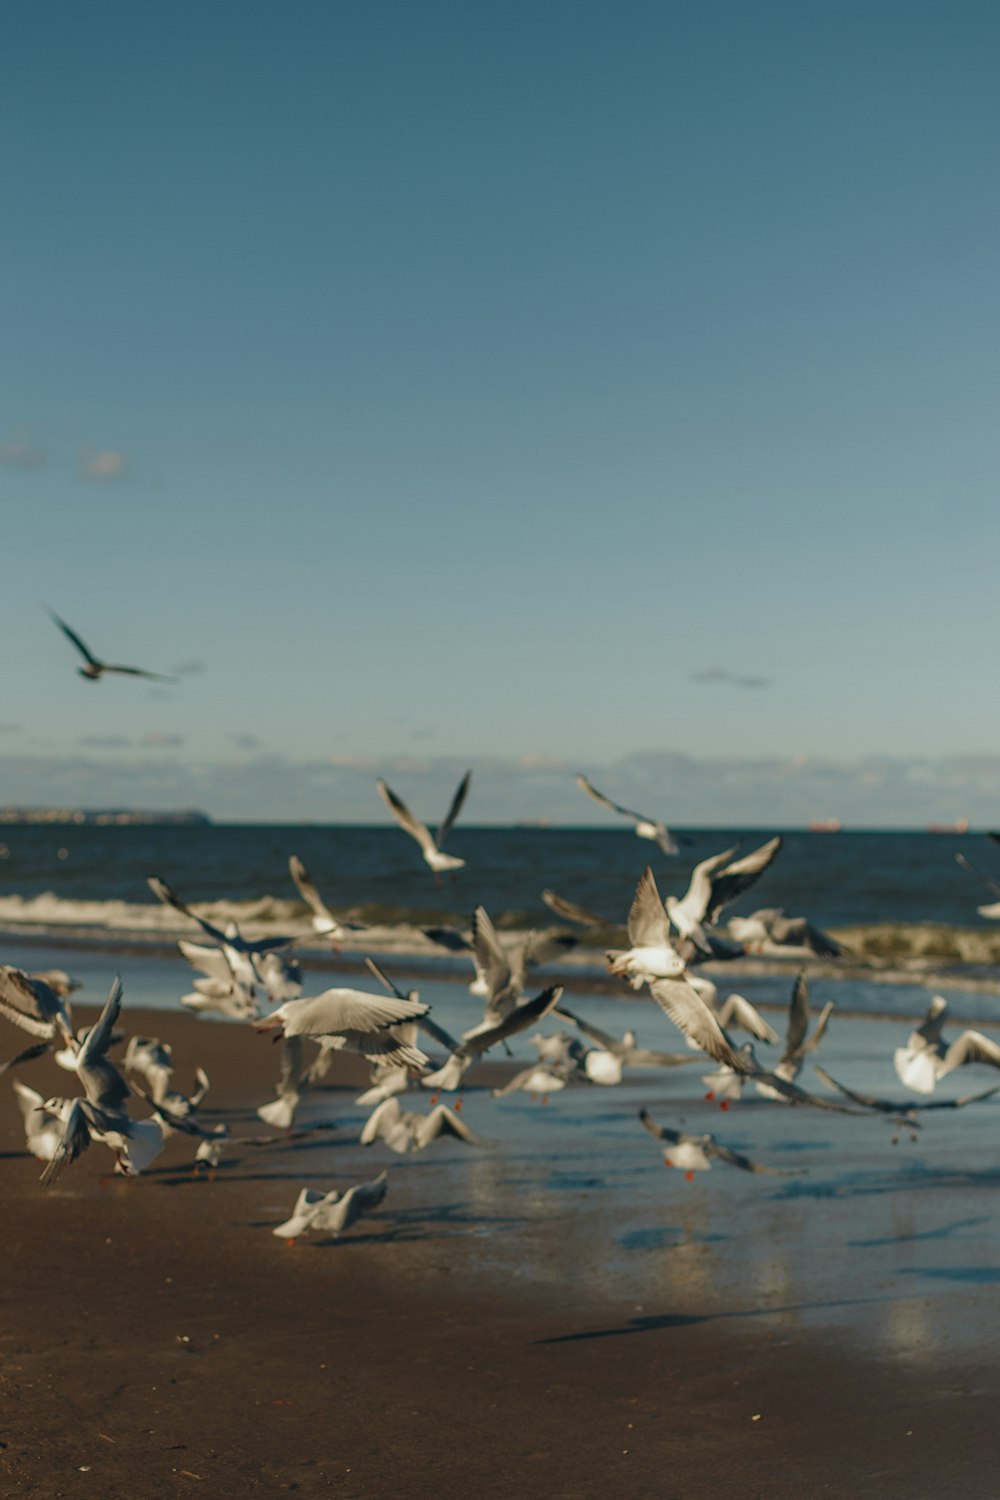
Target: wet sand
point(552, 1314)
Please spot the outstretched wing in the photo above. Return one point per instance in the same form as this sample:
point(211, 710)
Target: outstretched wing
point(169, 897)
point(574, 913)
point(74, 1141)
point(71, 635)
point(738, 877)
point(596, 796)
point(404, 817)
point(454, 810)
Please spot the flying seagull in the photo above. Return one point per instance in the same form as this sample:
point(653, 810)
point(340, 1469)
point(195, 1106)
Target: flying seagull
point(926, 1058)
point(430, 846)
point(93, 667)
point(695, 1153)
point(646, 828)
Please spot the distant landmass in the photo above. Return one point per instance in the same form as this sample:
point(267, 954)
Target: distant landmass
point(102, 816)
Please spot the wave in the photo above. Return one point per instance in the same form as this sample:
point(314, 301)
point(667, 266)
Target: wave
point(884, 953)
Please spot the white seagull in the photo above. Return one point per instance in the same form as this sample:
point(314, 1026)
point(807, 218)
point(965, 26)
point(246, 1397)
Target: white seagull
point(716, 882)
point(925, 1059)
point(652, 954)
point(430, 846)
point(696, 1153)
point(408, 1130)
point(102, 1114)
point(332, 1212)
point(646, 828)
point(323, 920)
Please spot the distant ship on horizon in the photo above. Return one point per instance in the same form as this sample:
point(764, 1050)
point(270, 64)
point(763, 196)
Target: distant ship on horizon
point(826, 825)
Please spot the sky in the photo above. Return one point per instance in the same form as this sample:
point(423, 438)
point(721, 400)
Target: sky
point(546, 387)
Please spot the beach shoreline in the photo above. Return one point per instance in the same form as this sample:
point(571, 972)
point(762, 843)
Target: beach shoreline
point(485, 1332)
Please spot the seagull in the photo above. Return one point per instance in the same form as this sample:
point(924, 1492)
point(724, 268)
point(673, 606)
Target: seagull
point(770, 932)
point(716, 882)
point(606, 1062)
point(925, 1059)
point(904, 1109)
point(154, 1060)
point(102, 1114)
point(475, 1043)
point(43, 1126)
point(221, 991)
point(696, 1153)
point(646, 828)
point(293, 1079)
point(652, 954)
point(679, 1000)
point(323, 920)
point(351, 1019)
point(430, 847)
point(92, 667)
point(543, 1078)
point(407, 1130)
point(30, 1003)
point(993, 909)
point(490, 952)
point(574, 913)
point(334, 1211)
point(797, 1047)
point(241, 952)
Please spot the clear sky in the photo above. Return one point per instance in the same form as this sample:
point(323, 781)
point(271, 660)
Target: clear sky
point(567, 382)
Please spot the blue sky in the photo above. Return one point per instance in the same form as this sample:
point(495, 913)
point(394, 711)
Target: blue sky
point(561, 382)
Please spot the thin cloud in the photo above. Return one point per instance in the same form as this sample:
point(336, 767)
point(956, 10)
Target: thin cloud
point(21, 454)
point(244, 741)
point(11, 729)
point(735, 679)
point(188, 669)
point(104, 741)
point(162, 740)
point(106, 465)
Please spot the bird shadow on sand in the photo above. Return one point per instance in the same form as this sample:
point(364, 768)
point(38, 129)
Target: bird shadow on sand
point(658, 1322)
point(914, 1175)
point(943, 1233)
point(970, 1275)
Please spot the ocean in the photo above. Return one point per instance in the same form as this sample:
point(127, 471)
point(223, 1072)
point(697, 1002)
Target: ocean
point(76, 896)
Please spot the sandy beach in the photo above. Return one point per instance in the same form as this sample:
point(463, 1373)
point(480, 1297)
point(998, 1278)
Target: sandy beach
point(551, 1312)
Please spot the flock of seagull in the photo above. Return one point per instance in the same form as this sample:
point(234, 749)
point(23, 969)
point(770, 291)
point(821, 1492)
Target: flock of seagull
point(258, 981)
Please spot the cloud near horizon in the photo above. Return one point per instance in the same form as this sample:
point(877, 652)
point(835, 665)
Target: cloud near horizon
point(768, 792)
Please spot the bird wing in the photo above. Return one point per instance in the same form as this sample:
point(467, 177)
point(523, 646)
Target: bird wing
point(688, 1011)
point(737, 1011)
point(798, 1016)
point(405, 818)
point(574, 913)
point(734, 879)
point(443, 1121)
point(448, 820)
point(71, 635)
point(308, 892)
point(711, 1147)
point(970, 1047)
point(350, 1010)
point(602, 1038)
point(592, 792)
point(475, 1043)
point(137, 672)
point(933, 1023)
point(660, 1132)
point(492, 959)
point(23, 1001)
point(819, 1031)
point(380, 1121)
point(103, 1083)
point(648, 926)
point(74, 1141)
point(35, 1050)
point(358, 1200)
point(545, 947)
point(169, 897)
